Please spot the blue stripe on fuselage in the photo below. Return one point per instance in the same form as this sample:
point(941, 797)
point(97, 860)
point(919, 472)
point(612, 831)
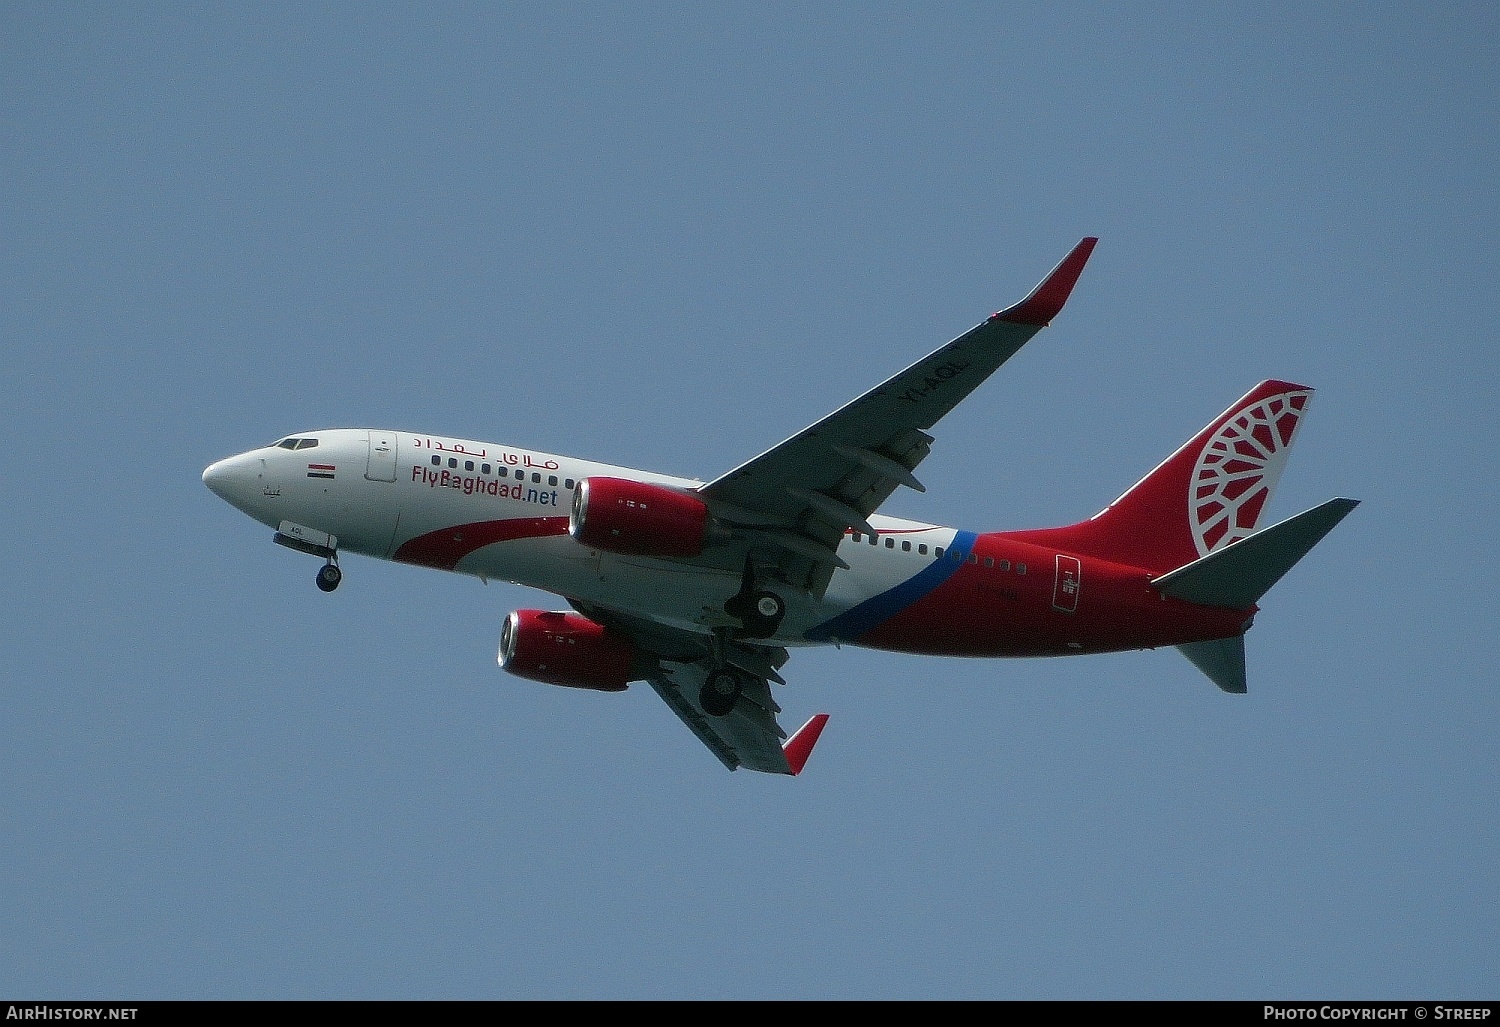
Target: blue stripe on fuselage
point(873, 612)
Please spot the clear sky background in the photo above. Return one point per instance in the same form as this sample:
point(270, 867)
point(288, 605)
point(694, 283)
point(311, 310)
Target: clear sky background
point(668, 236)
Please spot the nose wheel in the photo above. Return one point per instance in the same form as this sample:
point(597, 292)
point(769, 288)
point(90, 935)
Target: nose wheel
point(313, 542)
point(329, 576)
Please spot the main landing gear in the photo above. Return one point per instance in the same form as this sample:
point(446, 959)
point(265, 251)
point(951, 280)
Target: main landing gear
point(723, 685)
point(759, 610)
point(721, 690)
point(329, 575)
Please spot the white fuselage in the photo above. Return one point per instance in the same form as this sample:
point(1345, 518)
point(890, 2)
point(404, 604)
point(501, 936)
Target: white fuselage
point(439, 501)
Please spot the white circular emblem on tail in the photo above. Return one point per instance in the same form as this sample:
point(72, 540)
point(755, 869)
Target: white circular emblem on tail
point(1238, 468)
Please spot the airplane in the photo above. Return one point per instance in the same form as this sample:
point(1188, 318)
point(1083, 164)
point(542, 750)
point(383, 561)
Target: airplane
point(702, 589)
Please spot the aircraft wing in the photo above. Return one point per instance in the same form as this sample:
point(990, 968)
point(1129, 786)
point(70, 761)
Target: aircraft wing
point(749, 735)
point(797, 499)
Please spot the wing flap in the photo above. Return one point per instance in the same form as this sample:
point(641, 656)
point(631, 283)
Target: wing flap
point(748, 736)
point(696, 720)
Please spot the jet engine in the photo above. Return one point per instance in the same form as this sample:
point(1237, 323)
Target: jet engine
point(568, 649)
point(636, 519)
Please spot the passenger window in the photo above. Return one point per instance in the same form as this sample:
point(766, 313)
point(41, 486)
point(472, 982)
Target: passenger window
point(551, 479)
point(568, 483)
point(922, 548)
point(437, 461)
point(453, 461)
point(536, 478)
point(484, 468)
point(1005, 565)
point(906, 546)
point(1020, 568)
point(989, 561)
point(973, 558)
point(937, 551)
point(874, 540)
point(890, 543)
point(520, 474)
point(468, 465)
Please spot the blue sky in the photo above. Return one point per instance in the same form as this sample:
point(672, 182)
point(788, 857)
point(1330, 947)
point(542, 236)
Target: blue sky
point(669, 236)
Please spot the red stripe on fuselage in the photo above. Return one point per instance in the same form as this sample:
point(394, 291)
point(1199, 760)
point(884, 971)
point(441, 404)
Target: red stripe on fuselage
point(443, 548)
point(986, 611)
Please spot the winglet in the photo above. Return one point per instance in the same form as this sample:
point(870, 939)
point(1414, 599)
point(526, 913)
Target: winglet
point(800, 745)
point(1047, 299)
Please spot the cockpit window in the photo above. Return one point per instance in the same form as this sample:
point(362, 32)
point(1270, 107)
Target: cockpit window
point(288, 443)
point(307, 443)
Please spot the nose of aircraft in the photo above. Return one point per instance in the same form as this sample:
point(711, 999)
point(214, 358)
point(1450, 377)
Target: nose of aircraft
point(232, 480)
point(216, 476)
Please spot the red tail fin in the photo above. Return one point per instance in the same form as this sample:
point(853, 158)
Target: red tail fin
point(1201, 498)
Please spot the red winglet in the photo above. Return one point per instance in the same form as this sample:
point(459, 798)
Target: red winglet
point(800, 745)
point(1048, 298)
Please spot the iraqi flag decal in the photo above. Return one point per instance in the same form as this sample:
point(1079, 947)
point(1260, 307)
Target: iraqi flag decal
point(320, 470)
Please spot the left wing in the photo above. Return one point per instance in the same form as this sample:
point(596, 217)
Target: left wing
point(798, 498)
point(748, 735)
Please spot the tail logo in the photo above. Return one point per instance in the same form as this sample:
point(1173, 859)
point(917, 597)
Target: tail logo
point(1238, 467)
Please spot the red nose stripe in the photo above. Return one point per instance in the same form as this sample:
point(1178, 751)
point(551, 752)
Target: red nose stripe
point(446, 546)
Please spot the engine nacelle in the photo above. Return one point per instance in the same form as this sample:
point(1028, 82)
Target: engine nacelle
point(636, 519)
point(567, 649)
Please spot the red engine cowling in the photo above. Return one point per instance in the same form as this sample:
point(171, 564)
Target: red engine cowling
point(566, 649)
point(631, 517)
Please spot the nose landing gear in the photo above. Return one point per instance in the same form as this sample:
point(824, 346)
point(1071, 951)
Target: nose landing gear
point(329, 576)
point(314, 543)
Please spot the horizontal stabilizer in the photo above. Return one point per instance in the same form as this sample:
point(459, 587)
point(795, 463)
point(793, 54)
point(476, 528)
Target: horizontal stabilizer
point(1222, 659)
point(1239, 574)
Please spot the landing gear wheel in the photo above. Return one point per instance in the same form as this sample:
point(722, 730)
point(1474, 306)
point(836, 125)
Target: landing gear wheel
point(720, 692)
point(329, 577)
point(770, 606)
point(759, 612)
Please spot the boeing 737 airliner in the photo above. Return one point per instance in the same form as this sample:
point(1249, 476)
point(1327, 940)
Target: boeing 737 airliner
point(701, 589)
